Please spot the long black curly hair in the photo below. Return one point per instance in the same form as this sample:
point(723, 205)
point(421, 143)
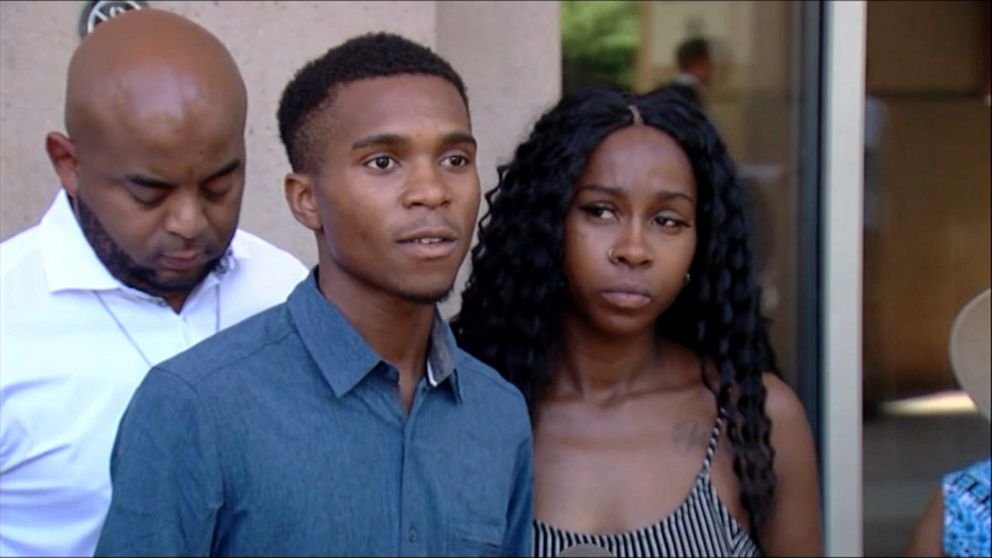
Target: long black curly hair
point(513, 303)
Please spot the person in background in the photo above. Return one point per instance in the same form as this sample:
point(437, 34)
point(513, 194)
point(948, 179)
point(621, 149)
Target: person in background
point(138, 258)
point(695, 70)
point(958, 519)
point(345, 421)
point(612, 284)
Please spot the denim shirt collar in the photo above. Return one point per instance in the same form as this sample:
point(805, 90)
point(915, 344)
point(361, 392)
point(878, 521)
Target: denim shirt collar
point(343, 356)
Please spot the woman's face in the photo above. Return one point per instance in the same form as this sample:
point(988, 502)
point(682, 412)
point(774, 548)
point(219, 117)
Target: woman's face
point(630, 233)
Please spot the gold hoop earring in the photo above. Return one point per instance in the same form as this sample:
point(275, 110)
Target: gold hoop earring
point(612, 256)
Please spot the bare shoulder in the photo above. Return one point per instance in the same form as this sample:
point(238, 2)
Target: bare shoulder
point(928, 535)
point(927, 538)
point(790, 436)
point(793, 526)
point(781, 403)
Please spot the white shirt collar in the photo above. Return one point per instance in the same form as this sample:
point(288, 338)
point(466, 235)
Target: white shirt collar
point(683, 78)
point(71, 263)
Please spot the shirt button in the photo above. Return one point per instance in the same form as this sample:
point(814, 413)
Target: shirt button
point(412, 535)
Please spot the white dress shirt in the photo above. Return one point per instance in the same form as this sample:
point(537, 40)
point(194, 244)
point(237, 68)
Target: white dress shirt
point(68, 368)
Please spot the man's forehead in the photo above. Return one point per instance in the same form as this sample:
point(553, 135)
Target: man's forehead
point(397, 87)
point(148, 106)
point(148, 72)
point(392, 103)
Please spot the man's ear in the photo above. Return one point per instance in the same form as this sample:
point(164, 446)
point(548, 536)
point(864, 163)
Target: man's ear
point(301, 196)
point(62, 153)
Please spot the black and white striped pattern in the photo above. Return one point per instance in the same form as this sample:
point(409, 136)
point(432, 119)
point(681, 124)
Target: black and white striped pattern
point(700, 526)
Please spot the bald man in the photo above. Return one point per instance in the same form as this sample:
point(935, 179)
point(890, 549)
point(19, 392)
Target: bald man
point(138, 258)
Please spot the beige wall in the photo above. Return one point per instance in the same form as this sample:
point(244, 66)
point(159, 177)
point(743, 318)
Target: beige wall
point(507, 53)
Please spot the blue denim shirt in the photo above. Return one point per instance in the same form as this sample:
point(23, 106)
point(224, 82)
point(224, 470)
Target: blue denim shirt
point(285, 434)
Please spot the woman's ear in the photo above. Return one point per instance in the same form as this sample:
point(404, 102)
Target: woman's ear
point(302, 199)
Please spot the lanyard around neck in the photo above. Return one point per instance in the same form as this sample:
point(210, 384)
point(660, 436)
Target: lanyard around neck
point(130, 338)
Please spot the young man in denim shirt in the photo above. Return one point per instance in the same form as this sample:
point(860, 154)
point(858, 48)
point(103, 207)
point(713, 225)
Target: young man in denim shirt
point(345, 421)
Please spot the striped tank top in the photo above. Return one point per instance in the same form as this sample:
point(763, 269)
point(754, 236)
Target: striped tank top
point(700, 526)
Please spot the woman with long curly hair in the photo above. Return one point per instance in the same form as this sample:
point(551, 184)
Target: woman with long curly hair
point(612, 283)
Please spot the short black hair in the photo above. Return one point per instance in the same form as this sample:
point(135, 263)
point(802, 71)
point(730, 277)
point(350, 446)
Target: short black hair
point(692, 51)
point(367, 56)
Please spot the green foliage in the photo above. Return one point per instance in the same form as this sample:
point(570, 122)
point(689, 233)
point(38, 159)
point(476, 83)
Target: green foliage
point(599, 43)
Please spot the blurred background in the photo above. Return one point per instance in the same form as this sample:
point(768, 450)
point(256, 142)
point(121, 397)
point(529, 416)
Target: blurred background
point(926, 229)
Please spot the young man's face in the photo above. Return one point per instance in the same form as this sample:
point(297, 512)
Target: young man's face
point(397, 188)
